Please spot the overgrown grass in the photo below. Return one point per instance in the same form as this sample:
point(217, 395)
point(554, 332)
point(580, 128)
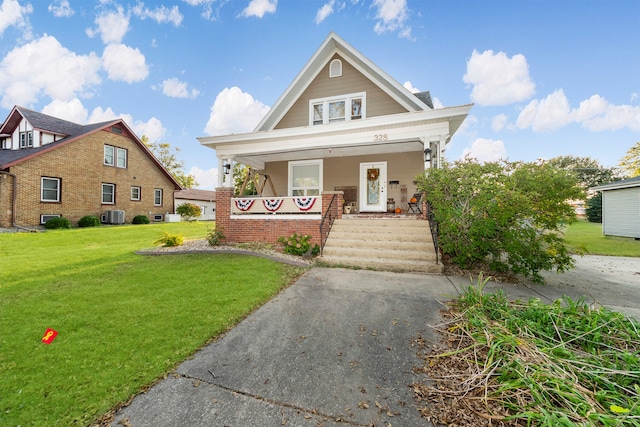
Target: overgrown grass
point(587, 236)
point(123, 319)
point(566, 364)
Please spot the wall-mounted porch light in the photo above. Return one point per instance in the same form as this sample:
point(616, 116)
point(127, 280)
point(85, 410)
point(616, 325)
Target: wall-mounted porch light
point(427, 154)
point(227, 168)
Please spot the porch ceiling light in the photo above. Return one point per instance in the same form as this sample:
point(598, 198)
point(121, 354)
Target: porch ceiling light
point(427, 154)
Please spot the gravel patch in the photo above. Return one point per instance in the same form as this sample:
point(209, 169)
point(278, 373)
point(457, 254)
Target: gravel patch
point(202, 246)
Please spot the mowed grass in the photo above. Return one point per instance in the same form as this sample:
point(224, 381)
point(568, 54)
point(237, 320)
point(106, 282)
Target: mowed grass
point(587, 236)
point(123, 320)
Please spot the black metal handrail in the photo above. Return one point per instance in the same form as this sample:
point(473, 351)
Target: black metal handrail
point(433, 225)
point(327, 222)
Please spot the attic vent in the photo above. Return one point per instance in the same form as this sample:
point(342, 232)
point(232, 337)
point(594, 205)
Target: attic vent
point(335, 68)
point(116, 129)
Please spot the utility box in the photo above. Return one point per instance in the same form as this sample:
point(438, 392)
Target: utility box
point(172, 218)
point(113, 217)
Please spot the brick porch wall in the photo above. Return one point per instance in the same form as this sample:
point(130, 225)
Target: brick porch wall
point(272, 227)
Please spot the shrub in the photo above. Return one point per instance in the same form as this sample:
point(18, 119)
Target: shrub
point(88, 221)
point(188, 211)
point(507, 215)
point(169, 240)
point(214, 236)
point(594, 208)
point(140, 219)
point(59, 222)
point(298, 245)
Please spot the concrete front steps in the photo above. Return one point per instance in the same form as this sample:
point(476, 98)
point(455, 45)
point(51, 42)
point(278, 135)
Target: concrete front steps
point(403, 245)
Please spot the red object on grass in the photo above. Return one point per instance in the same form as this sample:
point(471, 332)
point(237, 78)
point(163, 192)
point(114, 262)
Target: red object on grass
point(49, 335)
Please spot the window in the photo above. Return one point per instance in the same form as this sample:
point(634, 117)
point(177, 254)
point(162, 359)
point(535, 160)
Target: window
point(108, 194)
point(114, 156)
point(45, 218)
point(335, 68)
point(108, 155)
point(26, 139)
point(332, 110)
point(50, 189)
point(305, 178)
point(135, 193)
point(121, 158)
point(157, 197)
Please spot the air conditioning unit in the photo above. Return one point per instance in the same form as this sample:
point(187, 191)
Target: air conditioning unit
point(113, 217)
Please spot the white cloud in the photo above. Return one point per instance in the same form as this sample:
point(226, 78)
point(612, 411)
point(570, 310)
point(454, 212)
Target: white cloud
point(234, 111)
point(152, 129)
point(34, 69)
point(437, 103)
point(259, 8)
point(177, 89)
point(124, 63)
point(61, 9)
point(207, 7)
point(407, 85)
point(392, 15)
point(206, 179)
point(14, 15)
point(112, 26)
point(486, 150)
point(71, 110)
point(160, 14)
point(324, 11)
point(498, 79)
point(499, 122)
point(611, 117)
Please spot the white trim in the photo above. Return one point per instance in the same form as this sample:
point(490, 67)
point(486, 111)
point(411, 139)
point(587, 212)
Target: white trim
point(277, 217)
point(102, 193)
point(58, 189)
point(155, 194)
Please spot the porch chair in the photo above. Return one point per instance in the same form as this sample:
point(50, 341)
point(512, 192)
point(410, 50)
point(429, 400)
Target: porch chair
point(416, 206)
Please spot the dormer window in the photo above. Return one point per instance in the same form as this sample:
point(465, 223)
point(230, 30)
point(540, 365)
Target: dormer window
point(26, 139)
point(337, 109)
point(335, 68)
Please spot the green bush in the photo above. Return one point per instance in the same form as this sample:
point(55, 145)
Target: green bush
point(505, 216)
point(88, 221)
point(298, 245)
point(140, 219)
point(214, 236)
point(169, 240)
point(594, 208)
point(188, 211)
point(59, 222)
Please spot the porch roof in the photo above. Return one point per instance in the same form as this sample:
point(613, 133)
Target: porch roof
point(397, 133)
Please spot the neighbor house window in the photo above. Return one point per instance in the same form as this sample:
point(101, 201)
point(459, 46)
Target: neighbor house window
point(135, 193)
point(305, 178)
point(108, 194)
point(340, 109)
point(26, 139)
point(157, 197)
point(50, 189)
point(114, 156)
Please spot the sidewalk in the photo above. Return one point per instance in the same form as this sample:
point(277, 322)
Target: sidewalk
point(335, 349)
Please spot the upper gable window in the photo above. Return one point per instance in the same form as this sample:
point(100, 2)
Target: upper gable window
point(335, 68)
point(337, 109)
point(114, 156)
point(26, 139)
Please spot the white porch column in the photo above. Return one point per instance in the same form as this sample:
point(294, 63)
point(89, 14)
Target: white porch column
point(225, 172)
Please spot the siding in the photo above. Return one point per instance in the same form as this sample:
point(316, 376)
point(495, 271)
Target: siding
point(378, 103)
point(621, 212)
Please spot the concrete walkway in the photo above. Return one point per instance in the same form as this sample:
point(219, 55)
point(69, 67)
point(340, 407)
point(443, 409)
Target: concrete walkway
point(335, 349)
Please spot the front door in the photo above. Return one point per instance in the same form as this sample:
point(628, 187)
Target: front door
point(373, 187)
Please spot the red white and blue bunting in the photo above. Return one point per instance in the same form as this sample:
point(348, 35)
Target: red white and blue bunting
point(304, 203)
point(244, 204)
point(272, 205)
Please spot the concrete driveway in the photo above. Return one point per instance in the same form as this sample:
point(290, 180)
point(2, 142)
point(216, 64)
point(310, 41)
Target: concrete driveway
point(335, 349)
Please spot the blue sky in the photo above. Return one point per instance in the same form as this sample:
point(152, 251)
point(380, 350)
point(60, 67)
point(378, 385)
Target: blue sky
point(547, 77)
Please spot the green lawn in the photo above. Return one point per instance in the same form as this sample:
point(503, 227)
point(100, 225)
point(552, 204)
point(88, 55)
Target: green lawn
point(123, 319)
point(584, 235)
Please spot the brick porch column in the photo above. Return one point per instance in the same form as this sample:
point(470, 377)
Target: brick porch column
point(223, 209)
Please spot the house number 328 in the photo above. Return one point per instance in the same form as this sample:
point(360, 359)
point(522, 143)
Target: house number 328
point(380, 137)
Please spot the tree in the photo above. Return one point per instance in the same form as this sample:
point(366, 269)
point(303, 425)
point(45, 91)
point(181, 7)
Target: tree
point(240, 173)
point(167, 156)
point(630, 162)
point(507, 216)
point(188, 211)
point(589, 172)
point(594, 207)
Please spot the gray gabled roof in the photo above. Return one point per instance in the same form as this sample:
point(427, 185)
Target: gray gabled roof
point(618, 185)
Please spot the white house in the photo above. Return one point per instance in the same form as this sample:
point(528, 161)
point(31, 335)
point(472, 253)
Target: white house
point(205, 199)
point(621, 208)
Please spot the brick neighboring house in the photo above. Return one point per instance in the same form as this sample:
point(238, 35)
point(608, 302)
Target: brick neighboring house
point(205, 199)
point(51, 167)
